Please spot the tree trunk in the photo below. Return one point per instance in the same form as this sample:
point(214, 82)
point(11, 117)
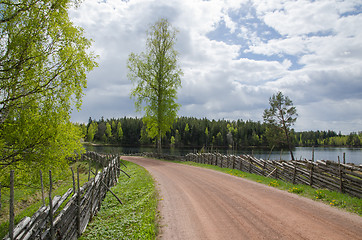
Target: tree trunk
point(289, 144)
point(286, 131)
point(159, 145)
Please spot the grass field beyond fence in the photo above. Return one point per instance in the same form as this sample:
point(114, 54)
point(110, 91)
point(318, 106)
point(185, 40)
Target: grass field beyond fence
point(29, 200)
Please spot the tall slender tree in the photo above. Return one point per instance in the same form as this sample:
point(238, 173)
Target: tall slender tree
point(156, 77)
point(282, 115)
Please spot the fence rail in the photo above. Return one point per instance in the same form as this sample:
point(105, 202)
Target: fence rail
point(72, 219)
point(320, 174)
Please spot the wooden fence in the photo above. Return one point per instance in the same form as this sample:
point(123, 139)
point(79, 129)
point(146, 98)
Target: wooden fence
point(320, 174)
point(72, 219)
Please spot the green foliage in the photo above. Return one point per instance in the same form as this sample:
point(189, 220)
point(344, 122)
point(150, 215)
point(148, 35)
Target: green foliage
point(274, 183)
point(136, 218)
point(191, 132)
point(172, 141)
point(319, 195)
point(43, 64)
point(353, 140)
point(156, 77)
point(295, 189)
point(281, 113)
point(119, 131)
point(281, 116)
point(92, 130)
point(274, 135)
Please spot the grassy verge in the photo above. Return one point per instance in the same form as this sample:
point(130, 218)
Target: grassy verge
point(29, 200)
point(136, 218)
point(336, 199)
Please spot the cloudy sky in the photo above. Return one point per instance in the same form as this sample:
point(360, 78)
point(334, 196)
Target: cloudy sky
point(235, 54)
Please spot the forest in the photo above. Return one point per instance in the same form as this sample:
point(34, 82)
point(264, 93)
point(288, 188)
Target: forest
point(193, 132)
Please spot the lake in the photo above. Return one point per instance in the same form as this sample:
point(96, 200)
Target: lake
point(353, 155)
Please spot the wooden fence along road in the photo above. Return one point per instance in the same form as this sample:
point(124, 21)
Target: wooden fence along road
point(50, 222)
point(320, 174)
point(71, 220)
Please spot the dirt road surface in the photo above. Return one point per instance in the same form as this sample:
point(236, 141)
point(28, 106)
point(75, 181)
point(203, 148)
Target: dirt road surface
point(199, 203)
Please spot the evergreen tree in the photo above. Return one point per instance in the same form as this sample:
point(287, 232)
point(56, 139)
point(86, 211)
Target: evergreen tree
point(281, 115)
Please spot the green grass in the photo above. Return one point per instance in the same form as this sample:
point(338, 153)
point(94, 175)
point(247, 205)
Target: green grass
point(29, 200)
point(332, 198)
point(137, 218)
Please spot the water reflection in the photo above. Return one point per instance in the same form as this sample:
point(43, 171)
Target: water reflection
point(352, 155)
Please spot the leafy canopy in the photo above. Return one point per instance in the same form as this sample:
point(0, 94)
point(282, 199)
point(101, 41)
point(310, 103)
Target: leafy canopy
point(44, 59)
point(156, 78)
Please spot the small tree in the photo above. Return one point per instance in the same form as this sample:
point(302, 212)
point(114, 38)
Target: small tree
point(156, 77)
point(108, 132)
point(92, 130)
point(281, 115)
point(119, 132)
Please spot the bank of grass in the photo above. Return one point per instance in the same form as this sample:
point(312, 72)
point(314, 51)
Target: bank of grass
point(332, 198)
point(136, 218)
point(28, 200)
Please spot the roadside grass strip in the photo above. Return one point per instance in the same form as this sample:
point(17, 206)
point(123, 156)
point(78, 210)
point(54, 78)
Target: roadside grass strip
point(137, 218)
point(332, 198)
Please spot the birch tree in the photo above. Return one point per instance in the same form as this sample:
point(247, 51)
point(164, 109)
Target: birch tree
point(44, 59)
point(156, 78)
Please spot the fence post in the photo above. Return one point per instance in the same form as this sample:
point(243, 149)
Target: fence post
point(311, 176)
point(78, 205)
point(42, 187)
point(11, 210)
point(93, 190)
point(51, 206)
point(340, 176)
point(89, 169)
point(73, 180)
point(118, 167)
point(100, 189)
point(294, 172)
point(276, 170)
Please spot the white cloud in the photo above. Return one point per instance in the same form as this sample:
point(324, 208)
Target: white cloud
point(317, 114)
point(307, 49)
point(296, 18)
point(291, 46)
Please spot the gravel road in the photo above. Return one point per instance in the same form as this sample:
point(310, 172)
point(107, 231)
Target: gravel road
point(199, 203)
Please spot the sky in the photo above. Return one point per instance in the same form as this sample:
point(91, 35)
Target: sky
point(235, 55)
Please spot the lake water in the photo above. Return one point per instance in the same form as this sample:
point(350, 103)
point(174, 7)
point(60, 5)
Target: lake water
point(353, 155)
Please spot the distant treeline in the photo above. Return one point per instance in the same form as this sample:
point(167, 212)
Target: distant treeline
point(193, 132)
